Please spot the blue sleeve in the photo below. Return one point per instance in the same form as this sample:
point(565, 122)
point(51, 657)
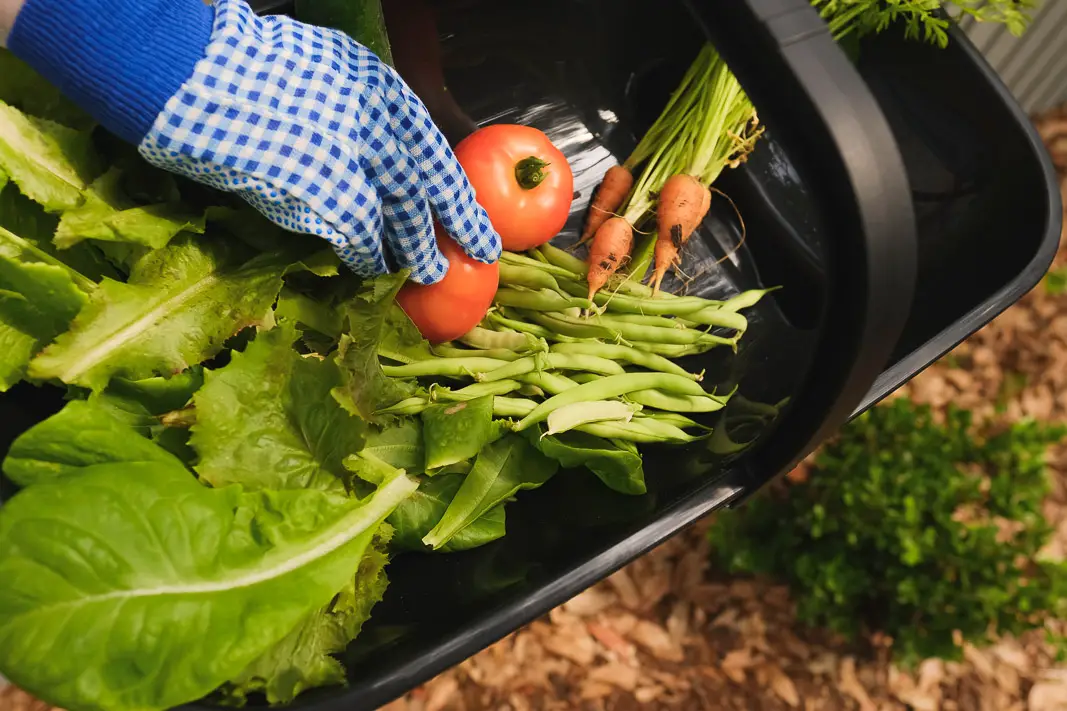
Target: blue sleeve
point(120, 60)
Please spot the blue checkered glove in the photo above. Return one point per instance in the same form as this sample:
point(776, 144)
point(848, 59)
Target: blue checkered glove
point(303, 122)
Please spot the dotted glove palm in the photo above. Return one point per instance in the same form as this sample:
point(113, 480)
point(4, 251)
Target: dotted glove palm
point(303, 122)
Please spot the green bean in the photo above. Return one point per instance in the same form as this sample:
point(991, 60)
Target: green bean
point(483, 338)
point(673, 418)
point(669, 350)
point(678, 305)
point(675, 403)
point(640, 431)
point(415, 405)
point(446, 351)
point(612, 386)
point(611, 329)
point(717, 317)
point(530, 390)
point(512, 406)
point(549, 382)
point(476, 390)
point(543, 300)
point(643, 320)
point(409, 406)
point(521, 260)
point(572, 416)
point(530, 277)
point(667, 430)
point(562, 325)
point(584, 377)
point(563, 260)
point(443, 366)
point(553, 361)
point(534, 329)
point(746, 299)
point(651, 361)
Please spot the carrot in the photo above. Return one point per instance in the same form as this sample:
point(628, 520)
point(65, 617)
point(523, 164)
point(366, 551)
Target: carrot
point(609, 196)
point(683, 203)
point(611, 246)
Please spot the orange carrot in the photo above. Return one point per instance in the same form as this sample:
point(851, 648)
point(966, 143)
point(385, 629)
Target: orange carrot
point(609, 196)
point(683, 203)
point(611, 246)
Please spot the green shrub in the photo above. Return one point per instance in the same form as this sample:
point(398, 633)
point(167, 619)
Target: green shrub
point(912, 528)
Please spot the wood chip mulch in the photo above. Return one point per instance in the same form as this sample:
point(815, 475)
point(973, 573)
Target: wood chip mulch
point(667, 632)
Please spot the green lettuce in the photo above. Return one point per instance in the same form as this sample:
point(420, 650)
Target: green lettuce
point(365, 389)
point(180, 305)
point(79, 436)
point(615, 462)
point(28, 220)
point(500, 471)
point(109, 215)
point(400, 446)
point(51, 163)
point(267, 421)
point(159, 589)
point(39, 297)
point(383, 459)
point(145, 404)
point(419, 514)
point(302, 660)
point(309, 312)
point(453, 432)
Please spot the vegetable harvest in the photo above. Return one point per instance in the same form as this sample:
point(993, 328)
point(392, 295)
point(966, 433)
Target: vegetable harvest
point(251, 433)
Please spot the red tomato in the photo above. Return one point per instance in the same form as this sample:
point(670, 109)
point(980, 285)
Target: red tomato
point(453, 306)
point(523, 181)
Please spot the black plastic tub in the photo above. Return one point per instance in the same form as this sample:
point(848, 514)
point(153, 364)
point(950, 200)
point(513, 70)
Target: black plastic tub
point(901, 201)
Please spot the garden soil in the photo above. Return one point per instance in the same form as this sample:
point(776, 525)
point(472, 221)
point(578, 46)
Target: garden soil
point(670, 632)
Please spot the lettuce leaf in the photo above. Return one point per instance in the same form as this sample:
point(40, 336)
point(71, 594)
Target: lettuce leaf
point(302, 660)
point(401, 340)
point(267, 420)
point(159, 589)
point(52, 164)
point(140, 404)
point(29, 221)
point(501, 470)
point(399, 446)
point(309, 312)
point(417, 515)
point(39, 297)
point(454, 432)
point(79, 436)
point(420, 513)
point(180, 305)
point(365, 389)
point(616, 463)
point(109, 215)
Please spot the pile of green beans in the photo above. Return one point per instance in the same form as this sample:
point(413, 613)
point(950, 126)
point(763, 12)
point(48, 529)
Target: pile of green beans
point(545, 346)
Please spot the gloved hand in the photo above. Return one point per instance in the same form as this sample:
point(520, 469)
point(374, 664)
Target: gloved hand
point(303, 122)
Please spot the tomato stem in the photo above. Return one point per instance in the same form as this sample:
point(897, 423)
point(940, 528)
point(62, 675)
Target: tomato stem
point(529, 172)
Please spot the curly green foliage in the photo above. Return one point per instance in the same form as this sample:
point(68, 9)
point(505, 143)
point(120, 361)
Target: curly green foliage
point(910, 527)
point(920, 18)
